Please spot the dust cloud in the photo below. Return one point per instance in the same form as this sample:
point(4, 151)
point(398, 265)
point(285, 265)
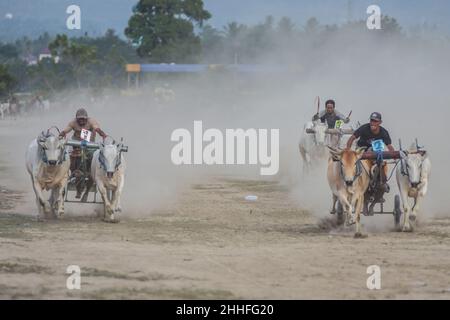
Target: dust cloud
point(404, 80)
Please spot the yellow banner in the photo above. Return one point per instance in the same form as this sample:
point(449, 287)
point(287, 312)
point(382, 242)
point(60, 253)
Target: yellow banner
point(133, 68)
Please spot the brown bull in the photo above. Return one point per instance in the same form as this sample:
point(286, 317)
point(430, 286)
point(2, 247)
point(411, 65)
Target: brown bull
point(348, 177)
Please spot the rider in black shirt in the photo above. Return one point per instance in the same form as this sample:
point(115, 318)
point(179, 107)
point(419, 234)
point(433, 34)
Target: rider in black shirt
point(370, 132)
point(367, 134)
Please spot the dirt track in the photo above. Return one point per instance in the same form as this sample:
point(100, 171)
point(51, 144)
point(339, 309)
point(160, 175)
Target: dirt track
point(210, 244)
point(214, 245)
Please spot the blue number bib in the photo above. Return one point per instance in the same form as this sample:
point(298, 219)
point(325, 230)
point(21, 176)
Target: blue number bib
point(378, 145)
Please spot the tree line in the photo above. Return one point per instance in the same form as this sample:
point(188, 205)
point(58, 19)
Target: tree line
point(170, 31)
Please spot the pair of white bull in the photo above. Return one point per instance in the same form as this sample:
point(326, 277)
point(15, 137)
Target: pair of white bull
point(348, 178)
point(48, 164)
point(314, 141)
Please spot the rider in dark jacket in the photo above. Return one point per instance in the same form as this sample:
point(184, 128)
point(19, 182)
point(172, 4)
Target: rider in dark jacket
point(330, 115)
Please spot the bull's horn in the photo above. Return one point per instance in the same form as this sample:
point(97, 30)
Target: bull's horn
point(334, 149)
point(360, 149)
point(335, 152)
point(41, 136)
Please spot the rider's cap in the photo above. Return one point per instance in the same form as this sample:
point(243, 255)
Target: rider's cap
point(375, 116)
point(81, 114)
point(330, 102)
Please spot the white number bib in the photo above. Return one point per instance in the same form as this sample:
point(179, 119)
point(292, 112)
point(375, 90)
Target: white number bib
point(86, 135)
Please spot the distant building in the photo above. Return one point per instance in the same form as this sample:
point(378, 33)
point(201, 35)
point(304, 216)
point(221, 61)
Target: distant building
point(46, 54)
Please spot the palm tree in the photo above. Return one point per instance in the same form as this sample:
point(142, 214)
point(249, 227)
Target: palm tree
point(234, 34)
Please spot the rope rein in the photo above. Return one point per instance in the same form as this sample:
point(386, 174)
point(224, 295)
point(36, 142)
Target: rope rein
point(393, 170)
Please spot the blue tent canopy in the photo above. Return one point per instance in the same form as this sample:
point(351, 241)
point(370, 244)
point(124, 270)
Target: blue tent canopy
point(199, 68)
point(174, 68)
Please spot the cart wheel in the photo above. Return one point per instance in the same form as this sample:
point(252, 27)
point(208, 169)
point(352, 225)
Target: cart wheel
point(397, 211)
point(340, 214)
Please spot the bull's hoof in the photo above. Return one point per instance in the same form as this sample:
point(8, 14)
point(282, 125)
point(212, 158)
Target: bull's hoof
point(49, 215)
point(359, 235)
point(48, 210)
point(350, 221)
point(407, 229)
point(111, 220)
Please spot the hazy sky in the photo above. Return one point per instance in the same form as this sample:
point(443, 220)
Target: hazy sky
point(408, 12)
point(100, 14)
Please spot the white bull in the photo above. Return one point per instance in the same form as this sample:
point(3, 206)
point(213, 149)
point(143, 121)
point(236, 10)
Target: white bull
point(312, 146)
point(412, 179)
point(4, 110)
point(48, 166)
point(108, 172)
point(348, 178)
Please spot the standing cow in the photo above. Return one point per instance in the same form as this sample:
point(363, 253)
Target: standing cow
point(348, 178)
point(108, 172)
point(48, 165)
point(412, 179)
